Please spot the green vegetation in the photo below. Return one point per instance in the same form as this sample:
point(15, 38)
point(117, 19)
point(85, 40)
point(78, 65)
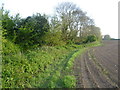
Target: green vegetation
point(38, 53)
point(47, 67)
point(90, 38)
point(107, 37)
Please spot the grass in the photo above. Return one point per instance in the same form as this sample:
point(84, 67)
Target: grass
point(44, 67)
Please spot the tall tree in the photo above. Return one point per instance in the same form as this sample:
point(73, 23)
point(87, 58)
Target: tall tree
point(107, 37)
point(72, 19)
point(64, 12)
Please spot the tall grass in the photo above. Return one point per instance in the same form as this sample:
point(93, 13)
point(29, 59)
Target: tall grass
point(44, 67)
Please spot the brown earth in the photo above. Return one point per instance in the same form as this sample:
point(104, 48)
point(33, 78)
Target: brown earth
point(98, 66)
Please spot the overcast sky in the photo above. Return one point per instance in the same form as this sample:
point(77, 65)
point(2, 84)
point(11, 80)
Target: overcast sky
point(104, 12)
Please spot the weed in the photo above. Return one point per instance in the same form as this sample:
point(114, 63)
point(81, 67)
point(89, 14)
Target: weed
point(45, 67)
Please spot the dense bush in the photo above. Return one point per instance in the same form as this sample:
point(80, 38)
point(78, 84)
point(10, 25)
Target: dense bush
point(90, 38)
point(8, 24)
point(36, 30)
point(33, 68)
point(25, 32)
point(53, 38)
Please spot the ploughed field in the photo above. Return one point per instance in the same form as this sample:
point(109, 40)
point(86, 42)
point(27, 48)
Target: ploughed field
point(98, 66)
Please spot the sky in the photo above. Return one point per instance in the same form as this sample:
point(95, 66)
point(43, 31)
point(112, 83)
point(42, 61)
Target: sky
point(104, 12)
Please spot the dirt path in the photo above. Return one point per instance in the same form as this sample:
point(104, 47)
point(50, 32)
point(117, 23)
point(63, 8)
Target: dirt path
point(98, 67)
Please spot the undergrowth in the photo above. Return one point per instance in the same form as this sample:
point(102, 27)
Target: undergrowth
point(44, 67)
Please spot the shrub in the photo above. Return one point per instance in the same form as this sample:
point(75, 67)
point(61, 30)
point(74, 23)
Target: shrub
point(90, 38)
point(53, 38)
point(69, 81)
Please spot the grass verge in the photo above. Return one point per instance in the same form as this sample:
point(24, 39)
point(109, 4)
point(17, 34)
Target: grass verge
point(45, 67)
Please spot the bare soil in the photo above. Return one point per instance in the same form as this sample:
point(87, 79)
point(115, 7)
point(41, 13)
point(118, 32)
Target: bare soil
point(98, 66)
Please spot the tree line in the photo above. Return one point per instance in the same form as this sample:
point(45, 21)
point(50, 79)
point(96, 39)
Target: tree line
point(69, 25)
